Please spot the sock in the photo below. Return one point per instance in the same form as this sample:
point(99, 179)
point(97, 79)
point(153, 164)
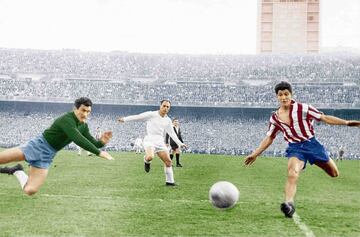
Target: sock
point(22, 177)
point(177, 158)
point(169, 175)
point(171, 156)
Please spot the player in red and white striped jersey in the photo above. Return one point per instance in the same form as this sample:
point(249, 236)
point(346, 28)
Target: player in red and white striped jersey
point(295, 120)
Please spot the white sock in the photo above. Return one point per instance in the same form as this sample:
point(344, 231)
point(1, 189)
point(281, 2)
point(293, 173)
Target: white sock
point(169, 175)
point(22, 177)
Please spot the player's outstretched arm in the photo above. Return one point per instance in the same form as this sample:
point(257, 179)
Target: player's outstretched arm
point(105, 155)
point(265, 143)
point(332, 120)
point(138, 117)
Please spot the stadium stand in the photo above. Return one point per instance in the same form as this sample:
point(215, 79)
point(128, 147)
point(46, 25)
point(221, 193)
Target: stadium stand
point(327, 81)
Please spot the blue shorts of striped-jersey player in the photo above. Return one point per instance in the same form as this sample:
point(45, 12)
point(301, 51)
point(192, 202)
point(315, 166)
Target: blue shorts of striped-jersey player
point(311, 151)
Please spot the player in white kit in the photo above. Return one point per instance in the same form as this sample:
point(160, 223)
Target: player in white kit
point(138, 145)
point(157, 125)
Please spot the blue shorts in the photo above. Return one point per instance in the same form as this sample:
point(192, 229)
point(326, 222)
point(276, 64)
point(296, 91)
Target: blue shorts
point(310, 150)
point(38, 152)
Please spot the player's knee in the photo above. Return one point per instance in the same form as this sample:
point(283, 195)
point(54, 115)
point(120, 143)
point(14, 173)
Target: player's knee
point(149, 157)
point(168, 163)
point(293, 173)
point(335, 173)
point(30, 190)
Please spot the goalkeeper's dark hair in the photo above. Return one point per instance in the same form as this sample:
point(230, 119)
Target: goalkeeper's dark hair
point(82, 101)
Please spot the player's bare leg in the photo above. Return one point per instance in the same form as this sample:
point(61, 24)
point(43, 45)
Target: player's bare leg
point(149, 155)
point(169, 174)
point(294, 168)
point(11, 155)
point(36, 179)
point(329, 167)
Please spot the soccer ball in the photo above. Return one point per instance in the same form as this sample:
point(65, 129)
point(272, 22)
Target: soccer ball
point(223, 195)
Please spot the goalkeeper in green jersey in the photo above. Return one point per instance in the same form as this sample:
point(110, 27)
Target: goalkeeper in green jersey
point(40, 151)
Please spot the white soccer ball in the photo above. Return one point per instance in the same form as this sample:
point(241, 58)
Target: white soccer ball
point(223, 195)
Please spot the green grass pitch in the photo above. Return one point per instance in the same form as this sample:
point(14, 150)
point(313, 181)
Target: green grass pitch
point(88, 196)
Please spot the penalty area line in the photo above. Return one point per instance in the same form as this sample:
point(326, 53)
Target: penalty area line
point(307, 231)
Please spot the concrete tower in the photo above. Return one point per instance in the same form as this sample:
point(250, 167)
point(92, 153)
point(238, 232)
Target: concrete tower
point(288, 26)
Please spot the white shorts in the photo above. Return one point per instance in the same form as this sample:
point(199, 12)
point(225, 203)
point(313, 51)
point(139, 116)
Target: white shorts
point(157, 143)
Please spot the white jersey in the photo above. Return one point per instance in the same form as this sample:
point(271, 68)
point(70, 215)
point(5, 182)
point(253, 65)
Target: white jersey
point(156, 126)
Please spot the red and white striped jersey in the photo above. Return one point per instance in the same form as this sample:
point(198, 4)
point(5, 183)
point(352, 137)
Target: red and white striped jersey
point(301, 123)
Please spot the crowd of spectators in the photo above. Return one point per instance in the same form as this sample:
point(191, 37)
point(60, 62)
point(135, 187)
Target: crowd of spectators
point(334, 95)
point(325, 67)
point(208, 135)
point(324, 80)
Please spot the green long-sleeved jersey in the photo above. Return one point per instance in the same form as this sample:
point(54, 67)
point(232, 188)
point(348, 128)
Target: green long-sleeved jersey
point(67, 129)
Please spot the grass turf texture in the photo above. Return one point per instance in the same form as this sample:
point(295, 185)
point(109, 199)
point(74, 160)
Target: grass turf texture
point(88, 196)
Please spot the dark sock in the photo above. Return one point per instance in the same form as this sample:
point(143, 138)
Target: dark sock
point(171, 156)
point(177, 158)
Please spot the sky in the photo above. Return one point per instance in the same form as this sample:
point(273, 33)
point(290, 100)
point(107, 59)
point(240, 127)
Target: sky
point(157, 26)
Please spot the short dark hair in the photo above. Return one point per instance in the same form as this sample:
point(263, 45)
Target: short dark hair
point(167, 100)
point(283, 86)
point(82, 101)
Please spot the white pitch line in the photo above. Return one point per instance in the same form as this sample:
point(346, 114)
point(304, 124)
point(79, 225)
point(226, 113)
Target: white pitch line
point(302, 226)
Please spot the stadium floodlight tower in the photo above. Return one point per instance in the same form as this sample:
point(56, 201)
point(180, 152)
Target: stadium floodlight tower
point(288, 26)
